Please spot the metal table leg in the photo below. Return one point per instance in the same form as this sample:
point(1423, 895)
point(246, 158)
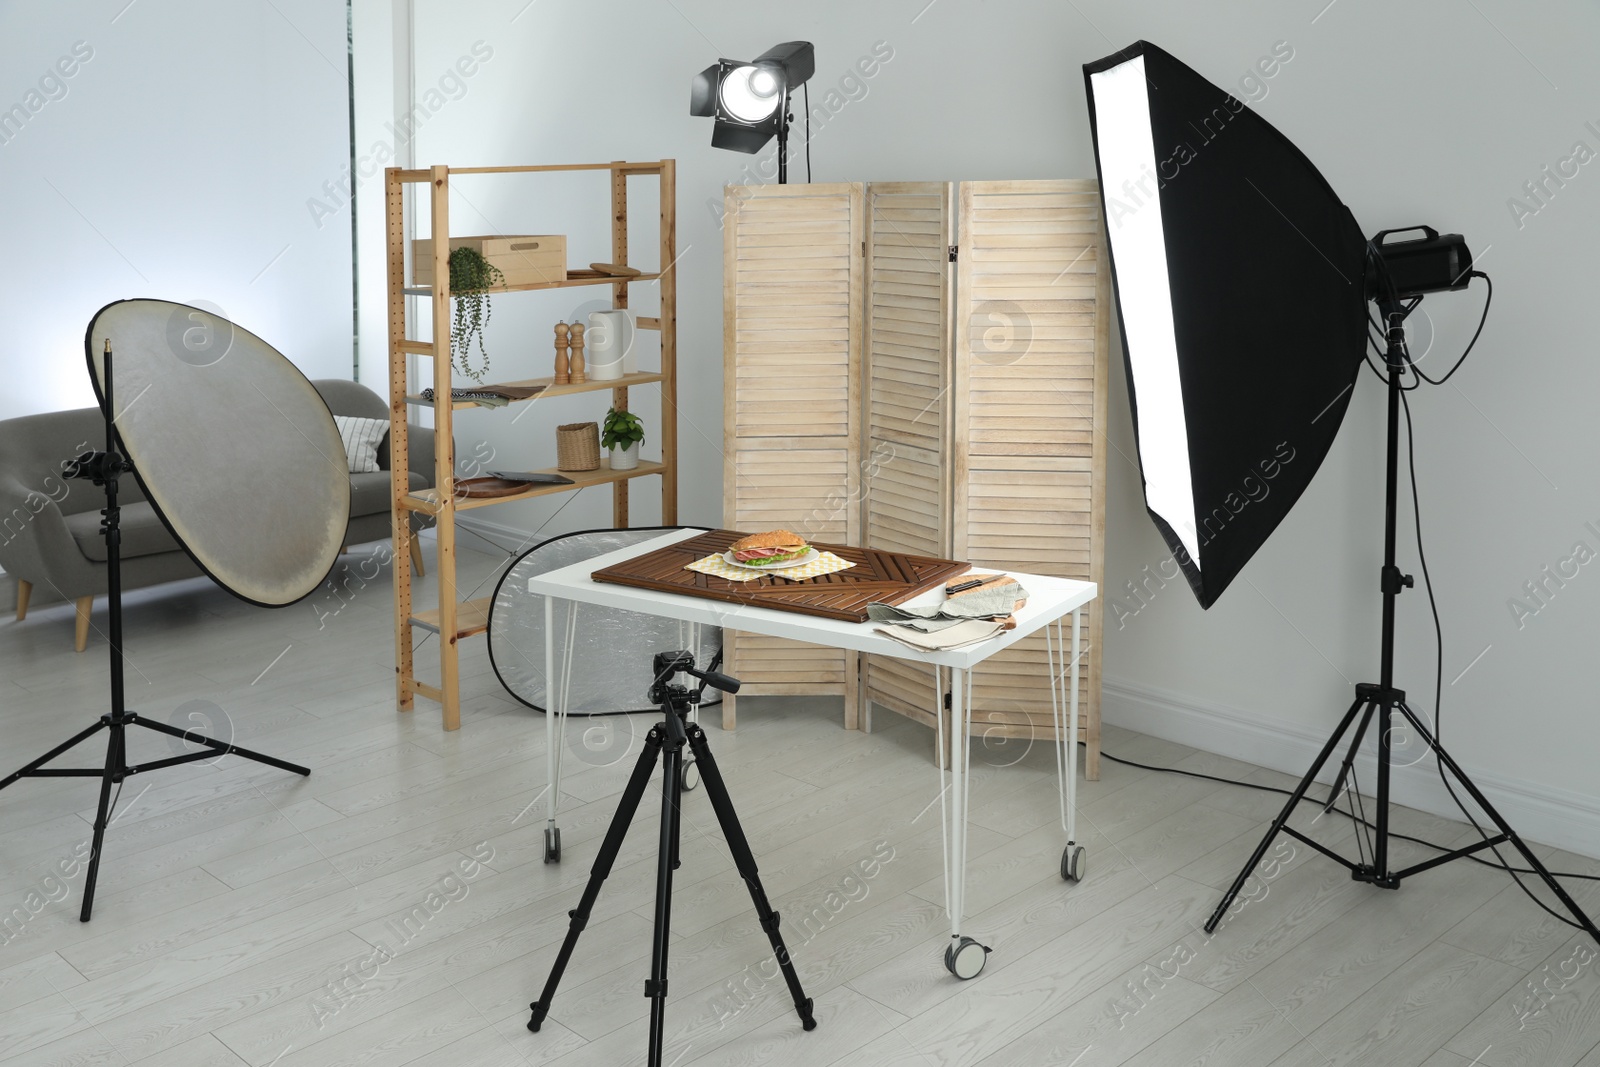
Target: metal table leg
point(1065, 707)
point(963, 957)
point(555, 719)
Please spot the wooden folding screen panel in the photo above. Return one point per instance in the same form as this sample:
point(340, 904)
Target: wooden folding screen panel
point(880, 392)
point(905, 456)
point(792, 299)
point(1028, 402)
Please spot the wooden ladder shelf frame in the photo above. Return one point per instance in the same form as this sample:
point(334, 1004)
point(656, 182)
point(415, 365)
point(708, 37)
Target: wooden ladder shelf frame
point(453, 620)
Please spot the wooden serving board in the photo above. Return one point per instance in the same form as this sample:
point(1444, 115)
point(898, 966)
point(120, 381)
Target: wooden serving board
point(886, 577)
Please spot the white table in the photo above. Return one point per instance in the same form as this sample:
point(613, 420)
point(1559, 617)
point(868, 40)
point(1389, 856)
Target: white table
point(1049, 601)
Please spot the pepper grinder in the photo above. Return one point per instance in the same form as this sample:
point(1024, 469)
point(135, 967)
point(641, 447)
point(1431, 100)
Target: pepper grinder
point(562, 376)
point(578, 377)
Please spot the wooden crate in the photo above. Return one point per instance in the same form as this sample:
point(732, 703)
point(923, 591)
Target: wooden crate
point(532, 259)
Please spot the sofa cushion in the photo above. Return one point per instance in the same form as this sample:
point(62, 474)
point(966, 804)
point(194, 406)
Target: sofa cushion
point(361, 438)
point(142, 533)
point(369, 492)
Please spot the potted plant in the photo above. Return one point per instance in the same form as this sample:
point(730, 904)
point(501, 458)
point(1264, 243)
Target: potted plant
point(622, 433)
point(471, 278)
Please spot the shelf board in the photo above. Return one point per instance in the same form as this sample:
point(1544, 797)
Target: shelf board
point(472, 617)
point(427, 500)
point(638, 378)
point(420, 175)
point(564, 283)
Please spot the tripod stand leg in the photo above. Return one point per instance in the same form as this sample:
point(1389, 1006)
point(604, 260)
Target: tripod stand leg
point(1494, 816)
point(82, 735)
point(609, 848)
point(1283, 816)
point(114, 762)
point(655, 988)
point(745, 861)
point(221, 748)
point(1349, 760)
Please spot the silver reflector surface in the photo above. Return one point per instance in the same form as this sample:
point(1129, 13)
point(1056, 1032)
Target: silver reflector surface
point(234, 447)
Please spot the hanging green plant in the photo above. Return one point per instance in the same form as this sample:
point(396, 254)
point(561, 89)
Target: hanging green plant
point(471, 278)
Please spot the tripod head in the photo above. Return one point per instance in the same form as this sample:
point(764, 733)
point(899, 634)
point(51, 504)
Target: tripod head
point(665, 692)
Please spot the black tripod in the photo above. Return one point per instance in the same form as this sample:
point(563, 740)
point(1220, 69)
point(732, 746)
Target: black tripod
point(104, 468)
point(667, 740)
point(1382, 699)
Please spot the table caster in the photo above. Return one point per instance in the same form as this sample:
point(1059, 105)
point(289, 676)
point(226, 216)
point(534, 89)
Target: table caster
point(552, 844)
point(965, 958)
point(1072, 865)
point(689, 777)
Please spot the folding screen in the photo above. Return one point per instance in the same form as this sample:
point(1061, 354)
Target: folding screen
point(976, 405)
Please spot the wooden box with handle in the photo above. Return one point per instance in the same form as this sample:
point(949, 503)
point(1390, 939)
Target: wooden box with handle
point(531, 259)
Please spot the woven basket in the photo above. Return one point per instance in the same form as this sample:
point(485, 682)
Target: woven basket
point(578, 446)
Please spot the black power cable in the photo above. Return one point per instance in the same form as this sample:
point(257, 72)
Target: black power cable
point(1487, 300)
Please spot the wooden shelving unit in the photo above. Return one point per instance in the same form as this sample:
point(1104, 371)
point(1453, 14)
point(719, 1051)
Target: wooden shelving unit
point(452, 619)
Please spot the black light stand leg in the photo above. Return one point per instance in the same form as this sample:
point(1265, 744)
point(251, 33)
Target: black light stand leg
point(631, 794)
point(31, 769)
point(221, 748)
point(1504, 827)
point(745, 861)
point(1349, 759)
point(113, 772)
point(1283, 816)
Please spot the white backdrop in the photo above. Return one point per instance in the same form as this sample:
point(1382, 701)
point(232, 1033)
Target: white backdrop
point(175, 161)
point(1482, 96)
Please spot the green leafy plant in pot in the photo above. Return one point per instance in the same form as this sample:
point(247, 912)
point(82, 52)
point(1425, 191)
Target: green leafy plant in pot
point(471, 278)
point(622, 433)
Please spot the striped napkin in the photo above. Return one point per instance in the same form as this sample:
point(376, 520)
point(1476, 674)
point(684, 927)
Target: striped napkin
point(714, 564)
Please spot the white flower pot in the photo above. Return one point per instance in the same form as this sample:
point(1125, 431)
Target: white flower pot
point(625, 459)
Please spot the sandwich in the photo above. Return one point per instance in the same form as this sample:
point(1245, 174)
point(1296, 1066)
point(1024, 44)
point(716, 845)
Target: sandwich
point(771, 549)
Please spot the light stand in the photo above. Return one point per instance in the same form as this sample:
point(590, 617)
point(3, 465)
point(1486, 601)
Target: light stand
point(783, 140)
point(104, 468)
point(1383, 699)
point(667, 740)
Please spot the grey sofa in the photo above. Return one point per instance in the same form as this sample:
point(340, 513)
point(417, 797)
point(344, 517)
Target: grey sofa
point(50, 527)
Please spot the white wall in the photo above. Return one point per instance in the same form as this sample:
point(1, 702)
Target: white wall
point(175, 162)
point(1482, 97)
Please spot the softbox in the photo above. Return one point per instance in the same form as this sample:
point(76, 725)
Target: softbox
point(1236, 401)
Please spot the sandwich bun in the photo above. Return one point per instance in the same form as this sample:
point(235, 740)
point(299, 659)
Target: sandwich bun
point(779, 539)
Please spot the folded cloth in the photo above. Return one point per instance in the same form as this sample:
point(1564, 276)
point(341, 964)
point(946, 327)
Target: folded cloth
point(958, 634)
point(993, 601)
point(489, 396)
point(483, 398)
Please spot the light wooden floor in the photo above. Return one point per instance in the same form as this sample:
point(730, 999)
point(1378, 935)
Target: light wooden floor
point(249, 916)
